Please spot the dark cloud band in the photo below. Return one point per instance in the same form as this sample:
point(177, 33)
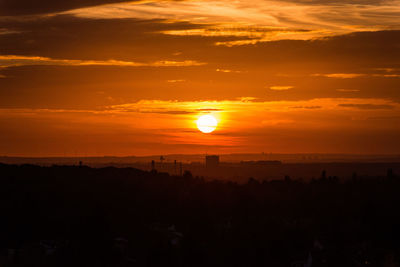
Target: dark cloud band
point(30, 7)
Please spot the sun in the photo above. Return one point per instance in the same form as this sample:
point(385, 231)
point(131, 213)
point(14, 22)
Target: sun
point(207, 123)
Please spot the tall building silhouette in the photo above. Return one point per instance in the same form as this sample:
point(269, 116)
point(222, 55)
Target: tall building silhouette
point(212, 161)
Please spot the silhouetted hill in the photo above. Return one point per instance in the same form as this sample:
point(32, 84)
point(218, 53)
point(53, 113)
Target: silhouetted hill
point(82, 216)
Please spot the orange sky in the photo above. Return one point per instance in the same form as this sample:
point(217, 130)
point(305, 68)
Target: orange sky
point(105, 77)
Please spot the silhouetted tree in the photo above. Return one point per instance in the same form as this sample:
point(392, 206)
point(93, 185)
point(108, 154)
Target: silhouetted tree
point(187, 175)
point(323, 175)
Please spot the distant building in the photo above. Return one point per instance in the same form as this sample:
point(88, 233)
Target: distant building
point(212, 161)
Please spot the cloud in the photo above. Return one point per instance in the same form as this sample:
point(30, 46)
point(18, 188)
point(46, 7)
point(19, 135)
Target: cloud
point(387, 75)
point(348, 90)
point(176, 81)
point(153, 107)
point(247, 104)
point(26, 7)
point(250, 22)
point(280, 88)
point(258, 21)
point(387, 69)
point(340, 75)
point(307, 107)
point(7, 61)
point(7, 31)
point(367, 106)
point(130, 40)
point(168, 112)
point(64, 36)
point(247, 99)
point(228, 71)
point(356, 75)
point(247, 35)
point(209, 109)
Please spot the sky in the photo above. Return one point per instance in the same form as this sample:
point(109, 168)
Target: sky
point(112, 77)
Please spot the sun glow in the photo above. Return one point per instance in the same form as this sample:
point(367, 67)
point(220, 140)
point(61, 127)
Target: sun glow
point(207, 123)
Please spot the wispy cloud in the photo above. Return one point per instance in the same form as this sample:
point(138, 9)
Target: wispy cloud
point(367, 106)
point(245, 105)
point(168, 112)
point(7, 31)
point(228, 71)
point(280, 88)
point(348, 90)
point(17, 60)
point(387, 75)
point(356, 75)
point(307, 107)
point(248, 34)
point(257, 20)
point(209, 109)
point(176, 81)
point(248, 105)
point(340, 75)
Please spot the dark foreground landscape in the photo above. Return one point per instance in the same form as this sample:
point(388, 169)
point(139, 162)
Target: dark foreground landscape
point(81, 216)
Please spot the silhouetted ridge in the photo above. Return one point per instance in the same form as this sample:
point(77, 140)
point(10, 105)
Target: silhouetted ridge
point(82, 216)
